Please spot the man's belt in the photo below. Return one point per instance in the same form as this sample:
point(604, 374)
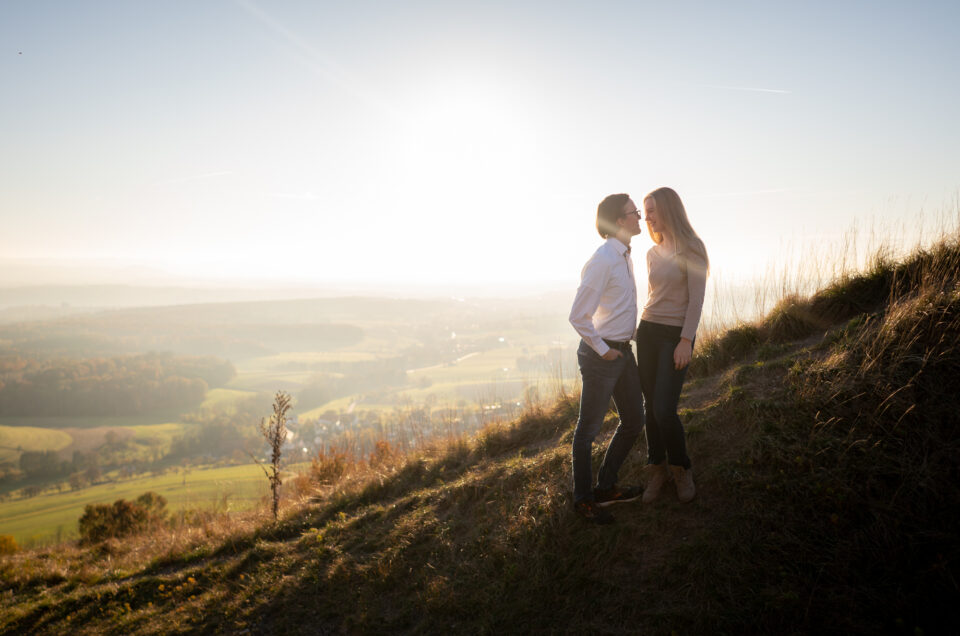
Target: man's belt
point(621, 346)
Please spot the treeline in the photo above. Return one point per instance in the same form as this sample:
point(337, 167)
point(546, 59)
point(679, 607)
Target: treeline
point(209, 435)
point(174, 329)
point(46, 467)
point(221, 433)
point(122, 385)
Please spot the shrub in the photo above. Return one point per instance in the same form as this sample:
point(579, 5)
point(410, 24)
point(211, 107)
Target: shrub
point(154, 504)
point(381, 454)
point(7, 544)
point(328, 467)
point(105, 521)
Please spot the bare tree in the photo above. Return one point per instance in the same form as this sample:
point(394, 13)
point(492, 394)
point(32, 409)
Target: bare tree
point(274, 429)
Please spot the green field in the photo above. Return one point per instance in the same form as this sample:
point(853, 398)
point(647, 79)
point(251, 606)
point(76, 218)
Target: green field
point(290, 371)
point(164, 433)
point(91, 421)
point(29, 438)
point(223, 399)
point(492, 365)
point(70, 433)
point(269, 381)
point(47, 517)
point(85, 438)
point(487, 376)
point(304, 360)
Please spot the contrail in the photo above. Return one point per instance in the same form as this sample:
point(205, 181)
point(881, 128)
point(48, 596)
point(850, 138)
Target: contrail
point(305, 196)
point(195, 177)
point(749, 88)
point(717, 195)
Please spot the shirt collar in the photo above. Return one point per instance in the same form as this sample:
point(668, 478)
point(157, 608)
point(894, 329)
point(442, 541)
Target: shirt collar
point(617, 245)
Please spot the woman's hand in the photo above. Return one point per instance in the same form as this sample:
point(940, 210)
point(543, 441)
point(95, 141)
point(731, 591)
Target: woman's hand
point(611, 355)
point(682, 354)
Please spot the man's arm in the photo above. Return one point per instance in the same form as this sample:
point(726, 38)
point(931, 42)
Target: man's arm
point(581, 317)
point(593, 280)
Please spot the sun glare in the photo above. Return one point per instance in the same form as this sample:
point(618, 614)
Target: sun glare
point(462, 155)
point(457, 130)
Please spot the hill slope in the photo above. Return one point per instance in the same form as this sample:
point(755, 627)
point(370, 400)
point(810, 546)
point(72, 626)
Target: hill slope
point(826, 456)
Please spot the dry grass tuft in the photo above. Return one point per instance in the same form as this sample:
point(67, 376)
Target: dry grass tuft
point(882, 284)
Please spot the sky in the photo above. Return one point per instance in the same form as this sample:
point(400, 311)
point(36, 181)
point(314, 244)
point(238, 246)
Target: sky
point(456, 144)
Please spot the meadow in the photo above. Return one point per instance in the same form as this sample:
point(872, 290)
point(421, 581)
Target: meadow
point(84, 433)
point(14, 439)
point(52, 517)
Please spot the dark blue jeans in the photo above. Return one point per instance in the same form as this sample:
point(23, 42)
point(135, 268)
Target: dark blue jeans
point(661, 384)
point(603, 379)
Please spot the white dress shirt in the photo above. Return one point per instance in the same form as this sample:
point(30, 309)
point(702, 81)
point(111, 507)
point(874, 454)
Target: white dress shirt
point(606, 302)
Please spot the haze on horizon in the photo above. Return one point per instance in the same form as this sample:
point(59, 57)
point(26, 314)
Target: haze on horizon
point(454, 145)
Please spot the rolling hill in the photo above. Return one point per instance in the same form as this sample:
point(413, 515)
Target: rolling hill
point(826, 454)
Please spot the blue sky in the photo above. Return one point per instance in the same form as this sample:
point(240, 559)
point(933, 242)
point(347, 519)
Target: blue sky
point(460, 143)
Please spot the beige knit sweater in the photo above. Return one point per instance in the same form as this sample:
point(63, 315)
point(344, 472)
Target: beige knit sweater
point(675, 290)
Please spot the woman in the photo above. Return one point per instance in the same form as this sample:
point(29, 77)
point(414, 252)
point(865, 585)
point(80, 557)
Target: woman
point(677, 267)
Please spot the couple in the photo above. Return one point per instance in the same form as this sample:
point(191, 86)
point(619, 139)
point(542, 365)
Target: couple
point(604, 313)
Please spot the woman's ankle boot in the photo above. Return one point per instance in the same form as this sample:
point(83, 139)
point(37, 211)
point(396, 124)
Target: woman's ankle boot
point(683, 478)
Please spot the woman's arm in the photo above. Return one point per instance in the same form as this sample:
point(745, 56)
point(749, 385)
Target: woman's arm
point(696, 290)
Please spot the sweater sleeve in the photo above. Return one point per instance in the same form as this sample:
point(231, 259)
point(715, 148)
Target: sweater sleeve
point(697, 288)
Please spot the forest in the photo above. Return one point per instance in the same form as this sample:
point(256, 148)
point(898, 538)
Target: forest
point(183, 331)
point(106, 386)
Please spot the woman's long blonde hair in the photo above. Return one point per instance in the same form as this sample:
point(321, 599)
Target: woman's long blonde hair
point(673, 217)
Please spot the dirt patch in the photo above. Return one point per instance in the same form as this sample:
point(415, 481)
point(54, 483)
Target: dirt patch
point(701, 392)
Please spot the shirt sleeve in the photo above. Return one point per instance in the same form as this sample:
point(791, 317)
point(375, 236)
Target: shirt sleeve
point(696, 288)
point(593, 280)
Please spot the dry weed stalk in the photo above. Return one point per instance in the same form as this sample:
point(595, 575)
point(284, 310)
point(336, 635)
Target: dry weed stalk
point(274, 430)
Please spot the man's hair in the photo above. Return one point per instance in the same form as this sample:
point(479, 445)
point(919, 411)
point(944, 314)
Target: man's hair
point(609, 210)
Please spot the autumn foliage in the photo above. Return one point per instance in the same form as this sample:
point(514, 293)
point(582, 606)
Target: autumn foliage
point(122, 518)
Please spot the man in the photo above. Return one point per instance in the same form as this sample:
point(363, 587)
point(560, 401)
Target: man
point(604, 313)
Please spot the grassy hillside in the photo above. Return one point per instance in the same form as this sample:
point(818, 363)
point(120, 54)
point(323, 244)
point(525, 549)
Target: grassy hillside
point(827, 462)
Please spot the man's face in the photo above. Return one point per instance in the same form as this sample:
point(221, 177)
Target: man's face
point(630, 218)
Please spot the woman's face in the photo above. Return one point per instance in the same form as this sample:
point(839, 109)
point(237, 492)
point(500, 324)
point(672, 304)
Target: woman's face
point(652, 218)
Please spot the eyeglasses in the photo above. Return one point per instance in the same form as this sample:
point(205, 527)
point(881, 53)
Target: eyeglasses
point(637, 212)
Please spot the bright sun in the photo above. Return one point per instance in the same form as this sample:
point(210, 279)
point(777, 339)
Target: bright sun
point(473, 143)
